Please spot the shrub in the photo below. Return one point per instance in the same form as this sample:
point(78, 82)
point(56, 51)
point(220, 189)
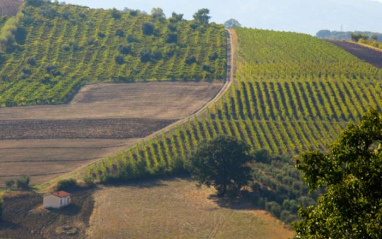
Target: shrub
point(101, 34)
point(172, 27)
point(125, 48)
point(148, 28)
point(213, 56)
point(157, 55)
point(171, 38)
point(26, 70)
point(67, 184)
point(190, 59)
point(120, 59)
point(119, 33)
point(9, 183)
point(23, 183)
point(145, 55)
point(66, 47)
point(88, 181)
point(116, 14)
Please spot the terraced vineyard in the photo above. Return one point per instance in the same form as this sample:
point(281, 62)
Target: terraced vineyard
point(59, 48)
point(293, 93)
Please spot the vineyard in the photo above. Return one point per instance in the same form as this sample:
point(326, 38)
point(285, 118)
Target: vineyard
point(51, 50)
point(292, 93)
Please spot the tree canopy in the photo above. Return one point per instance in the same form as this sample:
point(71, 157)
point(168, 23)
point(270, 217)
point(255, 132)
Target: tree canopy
point(231, 23)
point(202, 16)
point(222, 163)
point(351, 173)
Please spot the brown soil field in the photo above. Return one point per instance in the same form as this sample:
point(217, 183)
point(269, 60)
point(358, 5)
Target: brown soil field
point(175, 208)
point(24, 217)
point(367, 54)
point(47, 141)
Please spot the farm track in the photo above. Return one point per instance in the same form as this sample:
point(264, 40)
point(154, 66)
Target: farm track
point(368, 54)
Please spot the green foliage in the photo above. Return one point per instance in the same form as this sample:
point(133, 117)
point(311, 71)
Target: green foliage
point(358, 36)
point(232, 23)
point(67, 184)
point(201, 16)
point(23, 183)
point(351, 207)
point(221, 162)
point(9, 183)
point(79, 42)
point(148, 28)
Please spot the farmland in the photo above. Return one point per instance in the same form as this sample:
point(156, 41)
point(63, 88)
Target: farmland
point(47, 141)
point(60, 48)
point(175, 208)
point(292, 93)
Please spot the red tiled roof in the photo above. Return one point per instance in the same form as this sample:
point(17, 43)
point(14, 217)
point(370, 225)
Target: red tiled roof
point(61, 194)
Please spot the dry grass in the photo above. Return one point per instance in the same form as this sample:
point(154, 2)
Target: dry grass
point(175, 209)
point(71, 136)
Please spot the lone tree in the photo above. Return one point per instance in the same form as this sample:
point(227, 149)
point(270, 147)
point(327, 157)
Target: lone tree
point(223, 163)
point(232, 23)
point(201, 16)
point(351, 173)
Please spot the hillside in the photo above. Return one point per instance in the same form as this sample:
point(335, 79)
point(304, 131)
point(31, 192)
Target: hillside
point(59, 48)
point(293, 92)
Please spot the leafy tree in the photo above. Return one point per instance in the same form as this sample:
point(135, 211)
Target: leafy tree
point(351, 173)
point(232, 23)
point(324, 34)
point(176, 17)
point(148, 28)
point(23, 183)
point(145, 54)
point(374, 37)
point(116, 14)
point(157, 13)
point(357, 36)
point(171, 38)
point(202, 16)
point(9, 183)
point(222, 163)
point(67, 184)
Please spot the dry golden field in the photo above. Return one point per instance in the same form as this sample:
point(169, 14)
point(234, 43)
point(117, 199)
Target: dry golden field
point(175, 208)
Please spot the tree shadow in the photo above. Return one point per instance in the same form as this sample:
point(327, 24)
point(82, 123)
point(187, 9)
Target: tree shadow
point(242, 202)
point(70, 210)
point(8, 225)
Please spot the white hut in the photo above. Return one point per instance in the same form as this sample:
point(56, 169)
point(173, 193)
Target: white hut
point(57, 199)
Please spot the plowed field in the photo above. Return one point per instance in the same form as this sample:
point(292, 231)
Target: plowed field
point(369, 55)
point(46, 141)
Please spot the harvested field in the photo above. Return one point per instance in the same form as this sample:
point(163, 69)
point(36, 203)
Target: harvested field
point(367, 54)
point(25, 217)
point(47, 141)
point(175, 209)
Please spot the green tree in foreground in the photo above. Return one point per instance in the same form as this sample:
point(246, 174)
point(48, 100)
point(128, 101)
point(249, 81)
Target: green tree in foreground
point(223, 163)
point(351, 173)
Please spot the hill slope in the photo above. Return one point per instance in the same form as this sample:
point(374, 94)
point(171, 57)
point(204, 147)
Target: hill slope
point(293, 93)
point(58, 48)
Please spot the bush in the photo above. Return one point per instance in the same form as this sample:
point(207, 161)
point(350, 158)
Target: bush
point(190, 59)
point(116, 14)
point(171, 38)
point(157, 55)
point(88, 181)
point(101, 34)
point(67, 184)
point(125, 49)
point(172, 27)
point(119, 33)
point(148, 28)
point(145, 55)
point(120, 59)
point(213, 56)
point(9, 183)
point(23, 183)
point(26, 70)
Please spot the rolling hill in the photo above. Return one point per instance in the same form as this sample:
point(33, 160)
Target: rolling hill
point(50, 50)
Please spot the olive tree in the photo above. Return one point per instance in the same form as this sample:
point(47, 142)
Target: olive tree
point(351, 174)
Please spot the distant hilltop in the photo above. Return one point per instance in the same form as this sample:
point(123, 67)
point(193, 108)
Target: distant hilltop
point(338, 35)
point(9, 7)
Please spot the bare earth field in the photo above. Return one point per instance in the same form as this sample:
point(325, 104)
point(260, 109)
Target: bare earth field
point(47, 141)
point(367, 54)
point(175, 209)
